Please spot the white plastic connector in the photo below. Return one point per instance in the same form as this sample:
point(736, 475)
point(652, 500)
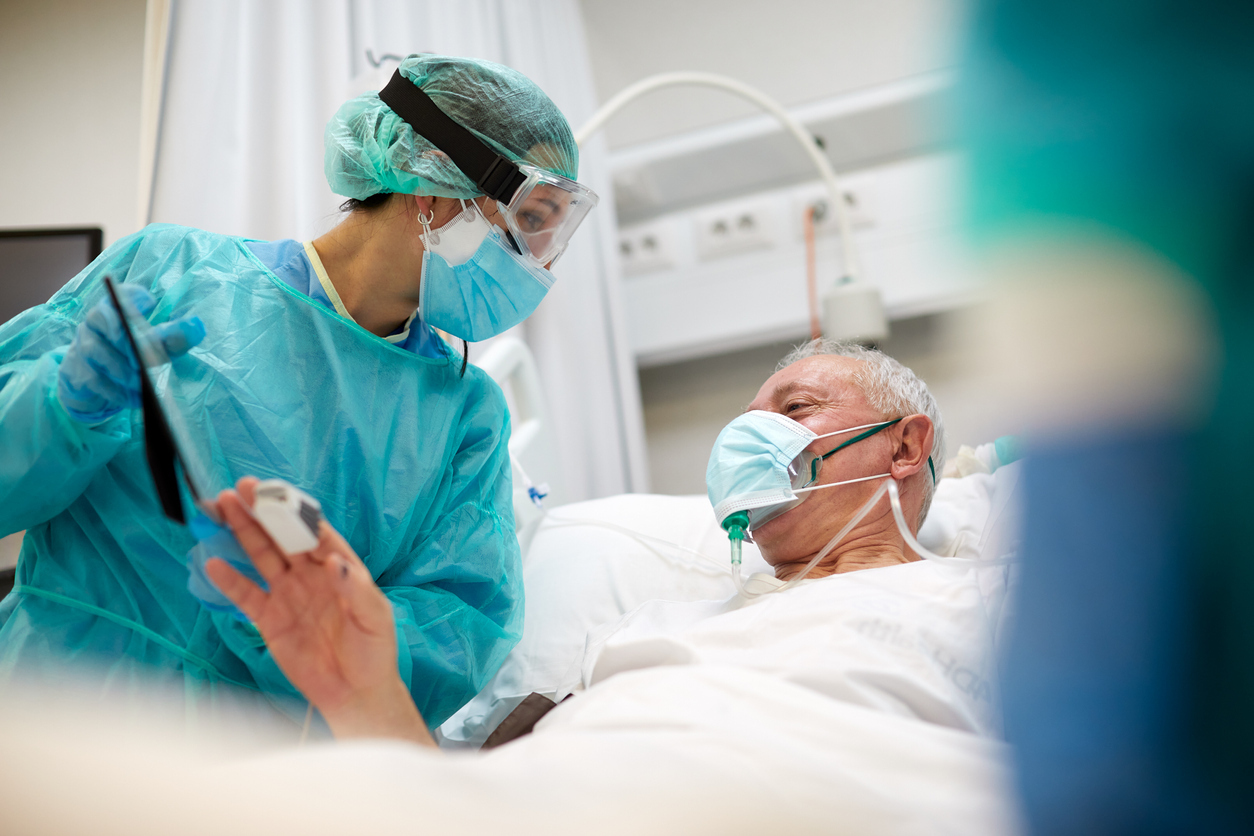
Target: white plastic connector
point(289, 515)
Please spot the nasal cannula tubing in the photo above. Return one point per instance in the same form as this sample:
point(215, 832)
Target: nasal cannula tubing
point(736, 532)
point(835, 541)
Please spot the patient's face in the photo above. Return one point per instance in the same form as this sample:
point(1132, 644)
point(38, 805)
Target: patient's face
point(819, 392)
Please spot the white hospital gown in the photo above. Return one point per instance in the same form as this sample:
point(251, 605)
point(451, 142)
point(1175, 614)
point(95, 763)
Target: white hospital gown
point(909, 640)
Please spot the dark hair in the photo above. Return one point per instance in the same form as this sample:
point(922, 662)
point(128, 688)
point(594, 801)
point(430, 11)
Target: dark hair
point(372, 202)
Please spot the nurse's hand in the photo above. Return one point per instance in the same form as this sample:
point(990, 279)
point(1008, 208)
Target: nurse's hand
point(327, 625)
point(99, 375)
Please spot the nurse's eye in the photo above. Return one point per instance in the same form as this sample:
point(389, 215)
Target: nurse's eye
point(531, 221)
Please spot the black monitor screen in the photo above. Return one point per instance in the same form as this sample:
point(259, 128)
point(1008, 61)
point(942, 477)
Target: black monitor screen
point(36, 263)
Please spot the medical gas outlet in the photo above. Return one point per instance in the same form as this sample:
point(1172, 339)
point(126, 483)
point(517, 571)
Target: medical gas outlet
point(732, 230)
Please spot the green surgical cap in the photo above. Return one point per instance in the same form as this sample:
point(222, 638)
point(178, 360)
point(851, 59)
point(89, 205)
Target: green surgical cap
point(369, 149)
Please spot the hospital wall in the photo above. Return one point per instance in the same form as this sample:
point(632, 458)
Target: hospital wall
point(796, 51)
point(70, 73)
point(708, 326)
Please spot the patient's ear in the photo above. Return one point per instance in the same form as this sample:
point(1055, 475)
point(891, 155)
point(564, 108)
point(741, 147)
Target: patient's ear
point(917, 435)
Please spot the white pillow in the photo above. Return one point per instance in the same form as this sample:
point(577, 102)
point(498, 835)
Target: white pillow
point(590, 563)
point(587, 564)
point(967, 512)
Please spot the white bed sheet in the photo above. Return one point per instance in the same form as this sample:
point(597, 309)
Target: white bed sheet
point(910, 640)
point(689, 749)
point(852, 704)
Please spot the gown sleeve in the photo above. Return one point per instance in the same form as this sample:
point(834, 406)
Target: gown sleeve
point(49, 458)
point(456, 598)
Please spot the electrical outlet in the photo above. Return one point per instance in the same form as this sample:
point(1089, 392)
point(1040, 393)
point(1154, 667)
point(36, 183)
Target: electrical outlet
point(645, 249)
point(734, 230)
point(858, 204)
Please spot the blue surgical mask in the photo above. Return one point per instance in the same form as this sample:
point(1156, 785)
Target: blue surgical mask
point(474, 284)
point(759, 464)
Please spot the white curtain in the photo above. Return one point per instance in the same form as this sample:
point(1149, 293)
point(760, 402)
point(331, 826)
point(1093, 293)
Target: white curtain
point(249, 87)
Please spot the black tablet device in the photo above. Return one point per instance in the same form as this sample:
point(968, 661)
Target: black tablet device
point(165, 436)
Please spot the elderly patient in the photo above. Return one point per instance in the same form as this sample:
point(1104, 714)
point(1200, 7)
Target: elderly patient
point(830, 388)
point(331, 629)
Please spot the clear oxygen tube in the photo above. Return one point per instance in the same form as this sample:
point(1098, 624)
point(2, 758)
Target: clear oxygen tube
point(737, 525)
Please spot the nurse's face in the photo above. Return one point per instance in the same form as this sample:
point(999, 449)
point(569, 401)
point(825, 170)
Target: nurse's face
point(537, 216)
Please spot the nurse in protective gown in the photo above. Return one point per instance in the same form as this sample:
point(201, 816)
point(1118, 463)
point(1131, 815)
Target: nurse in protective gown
point(313, 365)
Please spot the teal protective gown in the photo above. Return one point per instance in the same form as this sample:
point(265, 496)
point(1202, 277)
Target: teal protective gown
point(408, 459)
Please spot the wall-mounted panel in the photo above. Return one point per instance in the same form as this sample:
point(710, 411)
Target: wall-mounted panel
point(705, 305)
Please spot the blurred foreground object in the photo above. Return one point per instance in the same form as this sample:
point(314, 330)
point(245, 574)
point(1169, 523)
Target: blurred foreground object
point(1112, 197)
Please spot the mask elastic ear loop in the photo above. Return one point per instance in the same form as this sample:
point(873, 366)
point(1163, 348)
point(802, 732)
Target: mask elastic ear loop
point(855, 429)
point(838, 484)
point(875, 428)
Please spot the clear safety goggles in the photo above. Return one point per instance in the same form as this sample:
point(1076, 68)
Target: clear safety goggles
point(544, 213)
point(541, 209)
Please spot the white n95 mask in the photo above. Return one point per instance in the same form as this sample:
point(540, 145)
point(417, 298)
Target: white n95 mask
point(474, 284)
point(759, 465)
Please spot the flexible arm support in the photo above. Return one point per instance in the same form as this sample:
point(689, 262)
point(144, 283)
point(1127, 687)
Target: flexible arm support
point(851, 267)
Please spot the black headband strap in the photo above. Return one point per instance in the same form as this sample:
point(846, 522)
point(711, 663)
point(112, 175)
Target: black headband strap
point(499, 178)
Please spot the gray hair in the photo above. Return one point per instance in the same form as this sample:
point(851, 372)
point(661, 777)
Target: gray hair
point(891, 388)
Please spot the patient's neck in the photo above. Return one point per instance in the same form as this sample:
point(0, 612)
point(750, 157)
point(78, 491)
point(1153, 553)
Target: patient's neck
point(871, 545)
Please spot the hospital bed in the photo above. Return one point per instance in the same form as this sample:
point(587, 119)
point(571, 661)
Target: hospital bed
point(589, 564)
point(675, 748)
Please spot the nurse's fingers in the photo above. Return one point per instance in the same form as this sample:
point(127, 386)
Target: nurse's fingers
point(330, 543)
point(247, 488)
point(245, 594)
point(251, 536)
point(178, 336)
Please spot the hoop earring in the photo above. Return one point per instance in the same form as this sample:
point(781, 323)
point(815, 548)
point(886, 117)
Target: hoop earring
point(428, 236)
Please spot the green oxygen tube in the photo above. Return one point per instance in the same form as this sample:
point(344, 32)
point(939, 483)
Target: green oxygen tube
point(736, 525)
